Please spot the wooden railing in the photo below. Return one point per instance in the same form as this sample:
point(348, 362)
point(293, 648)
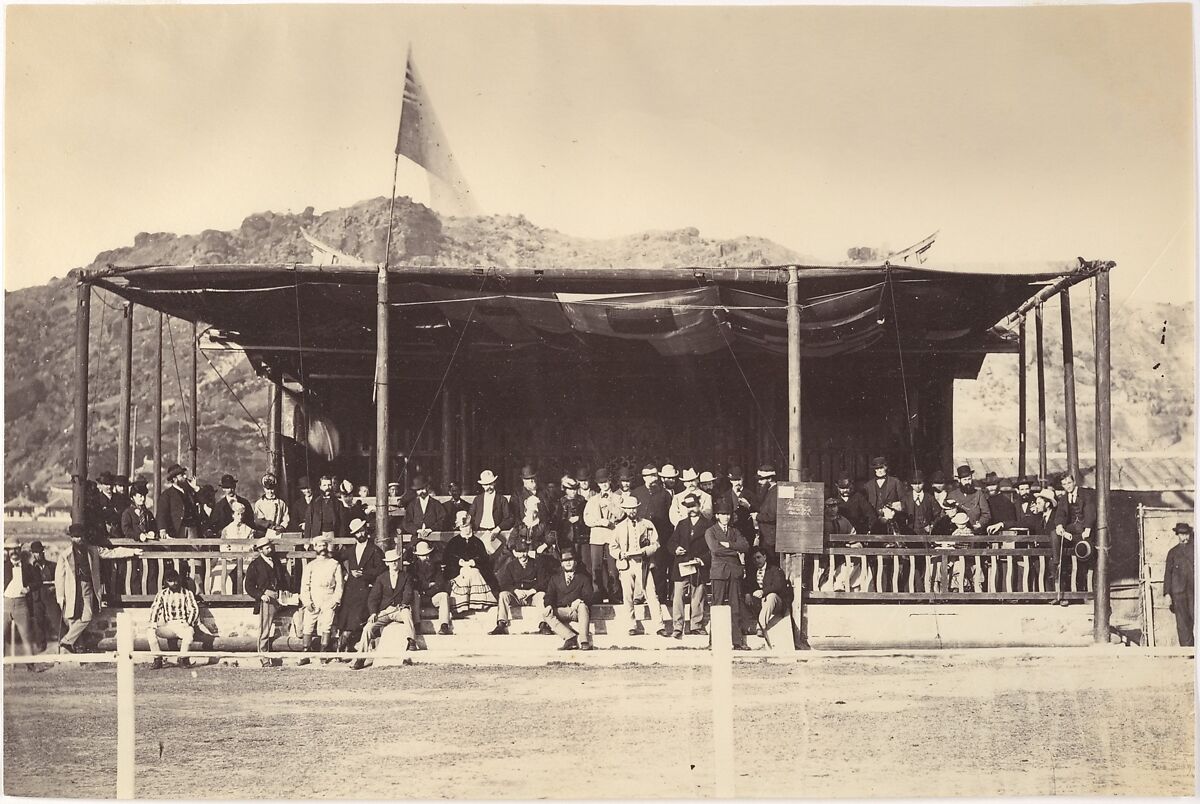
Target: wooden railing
point(1007, 566)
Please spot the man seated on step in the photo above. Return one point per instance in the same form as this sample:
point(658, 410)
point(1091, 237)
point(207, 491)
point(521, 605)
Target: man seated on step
point(390, 601)
point(634, 543)
point(766, 592)
point(430, 581)
point(174, 613)
point(521, 583)
point(569, 594)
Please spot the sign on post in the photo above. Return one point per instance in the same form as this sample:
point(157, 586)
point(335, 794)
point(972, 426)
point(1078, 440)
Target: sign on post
point(800, 518)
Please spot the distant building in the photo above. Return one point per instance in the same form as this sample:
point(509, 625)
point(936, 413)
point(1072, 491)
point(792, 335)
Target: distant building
point(58, 503)
point(20, 507)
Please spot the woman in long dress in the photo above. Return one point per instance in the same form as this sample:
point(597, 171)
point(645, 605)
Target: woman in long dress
point(468, 570)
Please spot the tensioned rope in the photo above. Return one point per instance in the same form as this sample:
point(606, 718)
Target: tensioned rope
point(253, 420)
point(753, 396)
point(912, 450)
point(187, 419)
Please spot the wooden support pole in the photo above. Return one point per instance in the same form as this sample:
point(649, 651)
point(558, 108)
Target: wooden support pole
point(447, 438)
point(126, 762)
point(277, 428)
point(1022, 393)
point(1041, 389)
point(158, 407)
point(124, 461)
point(724, 756)
point(793, 328)
point(83, 323)
point(193, 436)
point(382, 367)
point(1103, 453)
point(1068, 346)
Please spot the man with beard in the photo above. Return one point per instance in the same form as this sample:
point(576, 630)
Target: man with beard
point(521, 584)
point(919, 509)
point(852, 505)
point(77, 583)
point(424, 515)
point(768, 504)
point(429, 579)
point(689, 559)
point(654, 503)
point(326, 515)
point(634, 545)
point(266, 580)
point(320, 595)
point(270, 512)
point(1024, 496)
point(362, 564)
point(568, 598)
point(1001, 504)
point(1179, 580)
point(670, 480)
point(971, 500)
point(1074, 519)
point(883, 493)
point(570, 516)
point(489, 512)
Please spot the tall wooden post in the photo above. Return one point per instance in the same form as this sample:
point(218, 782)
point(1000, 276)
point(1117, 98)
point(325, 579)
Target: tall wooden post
point(1103, 452)
point(793, 329)
point(447, 437)
point(382, 442)
point(83, 323)
point(1068, 345)
point(193, 436)
point(158, 407)
point(123, 448)
point(277, 428)
point(1022, 393)
point(1041, 388)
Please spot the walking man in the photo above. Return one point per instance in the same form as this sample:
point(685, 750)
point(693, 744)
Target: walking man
point(1179, 583)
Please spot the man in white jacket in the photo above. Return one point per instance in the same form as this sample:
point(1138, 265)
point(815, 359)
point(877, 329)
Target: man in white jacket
point(77, 583)
point(602, 512)
point(320, 594)
point(634, 542)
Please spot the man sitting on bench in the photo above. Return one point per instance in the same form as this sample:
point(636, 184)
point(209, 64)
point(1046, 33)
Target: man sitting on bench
point(391, 601)
point(519, 582)
point(568, 595)
point(174, 613)
point(766, 590)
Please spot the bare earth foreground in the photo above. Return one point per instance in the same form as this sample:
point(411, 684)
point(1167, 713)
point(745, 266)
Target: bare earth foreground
point(1090, 723)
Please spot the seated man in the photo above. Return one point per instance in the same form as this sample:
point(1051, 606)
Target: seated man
point(430, 582)
point(173, 613)
point(766, 591)
point(569, 593)
point(390, 601)
point(520, 584)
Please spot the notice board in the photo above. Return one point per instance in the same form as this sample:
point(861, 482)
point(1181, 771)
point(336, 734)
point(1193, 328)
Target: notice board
point(800, 518)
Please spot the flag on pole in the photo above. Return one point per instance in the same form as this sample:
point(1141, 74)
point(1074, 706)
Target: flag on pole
point(422, 140)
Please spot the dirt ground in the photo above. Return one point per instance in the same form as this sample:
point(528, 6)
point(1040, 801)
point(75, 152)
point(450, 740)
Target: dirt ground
point(1090, 723)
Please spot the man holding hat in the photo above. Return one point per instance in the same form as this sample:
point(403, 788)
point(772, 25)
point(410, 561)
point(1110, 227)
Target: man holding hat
point(654, 503)
point(77, 582)
point(391, 601)
point(429, 579)
point(768, 505)
point(601, 515)
point(362, 564)
point(1179, 584)
point(691, 485)
point(688, 549)
point(971, 500)
point(728, 550)
point(266, 580)
point(489, 512)
point(320, 594)
point(633, 547)
point(424, 515)
point(569, 594)
point(883, 493)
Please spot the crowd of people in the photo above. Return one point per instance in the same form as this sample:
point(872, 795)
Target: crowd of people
point(672, 540)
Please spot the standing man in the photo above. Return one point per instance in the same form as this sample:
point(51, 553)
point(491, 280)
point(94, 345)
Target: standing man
point(173, 614)
point(768, 504)
point(320, 595)
point(741, 501)
point(362, 564)
point(1002, 505)
point(424, 515)
point(634, 545)
point(728, 550)
point(489, 512)
point(884, 494)
point(137, 524)
point(971, 500)
point(919, 510)
point(530, 489)
point(77, 583)
point(691, 485)
point(20, 587)
point(574, 532)
point(456, 503)
point(569, 594)
point(654, 503)
point(1179, 584)
point(47, 617)
point(689, 557)
point(223, 510)
point(266, 580)
point(601, 515)
point(327, 516)
point(853, 504)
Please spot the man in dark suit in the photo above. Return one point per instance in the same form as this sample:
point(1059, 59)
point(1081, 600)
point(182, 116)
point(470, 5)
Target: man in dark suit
point(489, 512)
point(521, 584)
point(326, 514)
point(424, 513)
point(654, 503)
point(456, 503)
point(429, 578)
point(530, 488)
point(768, 504)
point(266, 579)
point(222, 513)
point(569, 594)
point(391, 601)
point(689, 554)
point(918, 509)
point(362, 563)
point(1179, 583)
point(47, 617)
point(853, 505)
point(765, 592)
point(727, 547)
point(1074, 522)
point(883, 494)
point(1002, 504)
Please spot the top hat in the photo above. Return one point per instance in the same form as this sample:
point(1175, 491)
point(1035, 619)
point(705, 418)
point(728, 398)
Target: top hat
point(668, 471)
point(487, 477)
point(963, 471)
point(528, 472)
point(689, 474)
point(878, 463)
point(228, 482)
point(917, 477)
point(422, 548)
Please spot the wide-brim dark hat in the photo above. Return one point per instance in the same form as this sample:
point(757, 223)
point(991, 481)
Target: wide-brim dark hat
point(963, 471)
point(175, 471)
point(1181, 527)
point(418, 482)
point(879, 463)
point(626, 474)
point(228, 482)
point(991, 477)
point(917, 477)
point(528, 472)
point(106, 479)
point(602, 475)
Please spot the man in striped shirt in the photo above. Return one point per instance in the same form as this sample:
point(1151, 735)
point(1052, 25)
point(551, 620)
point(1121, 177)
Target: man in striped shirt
point(173, 613)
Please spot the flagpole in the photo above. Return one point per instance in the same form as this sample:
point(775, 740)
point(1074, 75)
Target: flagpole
point(382, 441)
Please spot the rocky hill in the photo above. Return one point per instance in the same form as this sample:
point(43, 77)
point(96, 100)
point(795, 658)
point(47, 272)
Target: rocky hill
point(1153, 406)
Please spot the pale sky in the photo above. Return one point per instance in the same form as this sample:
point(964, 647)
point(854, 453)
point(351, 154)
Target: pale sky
point(1019, 133)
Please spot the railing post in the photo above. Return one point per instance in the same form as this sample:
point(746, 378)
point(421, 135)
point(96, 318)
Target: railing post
point(126, 762)
point(83, 322)
point(193, 436)
point(722, 700)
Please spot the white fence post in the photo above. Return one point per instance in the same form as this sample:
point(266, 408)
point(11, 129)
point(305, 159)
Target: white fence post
point(720, 625)
point(125, 732)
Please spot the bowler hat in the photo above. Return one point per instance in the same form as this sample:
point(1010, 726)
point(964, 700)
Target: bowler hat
point(917, 477)
point(964, 471)
point(228, 482)
point(1024, 480)
point(668, 471)
point(688, 475)
point(356, 525)
point(766, 470)
point(583, 473)
point(418, 482)
point(36, 547)
point(721, 506)
point(879, 463)
point(960, 518)
point(937, 476)
point(991, 478)
point(735, 473)
point(1180, 527)
point(691, 501)
point(844, 482)
point(528, 472)
point(707, 477)
point(262, 541)
point(106, 478)
point(602, 474)
point(626, 473)
point(139, 488)
point(487, 477)
point(649, 470)
point(391, 556)
point(422, 548)
point(11, 543)
point(175, 471)
point(121, 480)
point(629, 502)
point(304, 484)
point(76, 531)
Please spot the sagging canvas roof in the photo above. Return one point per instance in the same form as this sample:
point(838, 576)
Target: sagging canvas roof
point(323, 317)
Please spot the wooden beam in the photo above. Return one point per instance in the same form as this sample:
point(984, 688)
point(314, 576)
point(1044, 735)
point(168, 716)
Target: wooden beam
point(124, 448)
point(1103, 453)
point(1041, 390)
point(158, 408)
point(83, 322)
point(1022, 394)
point(1068, 346)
